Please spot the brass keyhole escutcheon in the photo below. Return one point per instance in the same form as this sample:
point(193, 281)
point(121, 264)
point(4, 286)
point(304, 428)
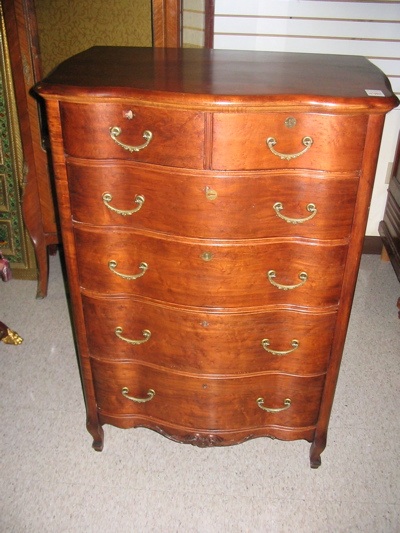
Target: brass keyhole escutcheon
point(290, 122)
point(129, 114)
point(206, 256)
point(211, 194)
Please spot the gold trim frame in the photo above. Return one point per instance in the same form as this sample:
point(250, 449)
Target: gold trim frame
point(27, 268)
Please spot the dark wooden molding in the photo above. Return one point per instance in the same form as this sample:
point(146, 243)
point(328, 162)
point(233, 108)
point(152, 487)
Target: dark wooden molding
point(372, 245)
point(209, 24)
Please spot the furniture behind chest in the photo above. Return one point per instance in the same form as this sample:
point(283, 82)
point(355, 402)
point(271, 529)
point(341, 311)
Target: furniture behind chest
point(213, 208)
point(389, 228)
point(37, 205)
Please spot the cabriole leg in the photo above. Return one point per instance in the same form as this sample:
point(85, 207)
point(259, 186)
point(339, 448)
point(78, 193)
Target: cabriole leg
point(97, 432)
point(317, 447)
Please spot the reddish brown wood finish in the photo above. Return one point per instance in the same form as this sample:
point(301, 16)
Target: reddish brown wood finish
point(210, 237)
point(166, 18)
point(205, 342)
point(204, 403)
point(235, 276)
point(239, 141)
point(37, 202)
point(247, 200)
point(178, 136)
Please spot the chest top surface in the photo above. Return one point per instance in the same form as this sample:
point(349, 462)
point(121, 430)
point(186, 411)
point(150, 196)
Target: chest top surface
point(227, 77)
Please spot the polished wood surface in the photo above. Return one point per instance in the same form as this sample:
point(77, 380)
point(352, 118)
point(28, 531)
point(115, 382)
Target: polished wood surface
point(192, 313)
point(38, 201)
point(166, 19)
point(178, 136)
point(185, 211)
point(228, 77)
point(234, 276)
point(239, 141)
point(205, 403)
point(199, 341)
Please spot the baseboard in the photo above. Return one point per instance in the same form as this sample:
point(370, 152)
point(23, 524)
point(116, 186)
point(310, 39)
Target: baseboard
point(372, 245)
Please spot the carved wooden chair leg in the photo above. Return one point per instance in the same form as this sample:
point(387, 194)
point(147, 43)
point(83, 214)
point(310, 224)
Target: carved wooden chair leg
point(42, 259)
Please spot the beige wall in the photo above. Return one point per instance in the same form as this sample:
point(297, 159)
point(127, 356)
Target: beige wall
point(67, 27)
point(193, 19)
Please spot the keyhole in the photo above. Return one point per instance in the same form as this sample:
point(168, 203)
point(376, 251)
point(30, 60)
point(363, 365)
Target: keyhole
point(206, 256)
point(211, 194)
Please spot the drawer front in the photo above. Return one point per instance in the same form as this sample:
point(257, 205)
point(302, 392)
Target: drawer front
point(177, 136)
point(240, 141)
point(209, 343)
point(213, 206)
point(205, 403)
point(201, 273)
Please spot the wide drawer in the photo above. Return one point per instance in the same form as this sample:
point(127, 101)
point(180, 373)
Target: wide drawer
point(177, 137)
point(205, 403)
point(240, 141)
point(220, 206)
point(212, 343)
point(207, 273)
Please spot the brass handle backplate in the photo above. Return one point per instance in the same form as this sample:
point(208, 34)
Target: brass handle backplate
point(142, 267)
point(278, 207)
point(115, 131)
point(271, 142)
point(150, 395)
point(146, 336)
point(303, 276)
point(139, 200)
point(265, 344)
point(286, 404)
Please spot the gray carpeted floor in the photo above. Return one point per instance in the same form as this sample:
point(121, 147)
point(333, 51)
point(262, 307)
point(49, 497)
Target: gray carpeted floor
point(52, 480)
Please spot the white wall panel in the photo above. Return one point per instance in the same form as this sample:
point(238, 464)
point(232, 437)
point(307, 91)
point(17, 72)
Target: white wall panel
point(370, 29)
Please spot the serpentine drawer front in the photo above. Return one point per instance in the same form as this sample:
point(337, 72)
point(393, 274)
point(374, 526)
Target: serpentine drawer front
point(317, 141)
point(212, 229)
point(318, 205)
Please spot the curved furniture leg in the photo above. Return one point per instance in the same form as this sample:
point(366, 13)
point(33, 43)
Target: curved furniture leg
point(317, 447)
point(97, 432)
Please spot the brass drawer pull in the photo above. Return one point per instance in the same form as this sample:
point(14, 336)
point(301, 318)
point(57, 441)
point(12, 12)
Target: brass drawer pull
point(146, 334)
point(303, 276)
point(307, 142)
point(143, 267)
point(287, 403)
point(115, 131)
point(139, 200)
point(150, 395)
point(278, 207)
point(265, 344)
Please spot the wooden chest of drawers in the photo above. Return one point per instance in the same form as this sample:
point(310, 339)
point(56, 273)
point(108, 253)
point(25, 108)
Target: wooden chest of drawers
point(213, 209)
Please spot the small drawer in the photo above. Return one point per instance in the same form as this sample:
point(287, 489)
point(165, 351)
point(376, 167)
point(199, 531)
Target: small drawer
point(117, 131)
point(240, 141)
point(229, 403)
point(207, 273)
point(252, 205)
point(208, 343)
